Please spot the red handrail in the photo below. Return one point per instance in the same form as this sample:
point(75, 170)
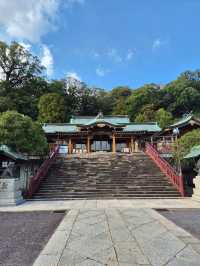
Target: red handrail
point(42, 171)
point(166, 168)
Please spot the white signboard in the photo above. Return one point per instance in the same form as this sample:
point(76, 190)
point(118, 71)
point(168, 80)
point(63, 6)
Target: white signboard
point(63, 149)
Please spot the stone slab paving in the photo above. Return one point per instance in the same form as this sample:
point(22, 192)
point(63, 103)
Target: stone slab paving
point(103, 204)
point(119, 237)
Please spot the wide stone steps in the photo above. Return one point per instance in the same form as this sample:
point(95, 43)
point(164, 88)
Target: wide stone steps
point(105, 176)
point(105, 184)
point(125, 188)
point(105, 194)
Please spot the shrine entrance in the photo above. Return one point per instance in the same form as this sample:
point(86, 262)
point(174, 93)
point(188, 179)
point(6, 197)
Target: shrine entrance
point(101, 145)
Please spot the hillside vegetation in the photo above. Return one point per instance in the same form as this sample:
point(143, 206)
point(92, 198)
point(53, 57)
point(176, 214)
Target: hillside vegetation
point(24, 89)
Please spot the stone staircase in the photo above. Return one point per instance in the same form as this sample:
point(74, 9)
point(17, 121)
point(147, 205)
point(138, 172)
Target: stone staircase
point(105, 176)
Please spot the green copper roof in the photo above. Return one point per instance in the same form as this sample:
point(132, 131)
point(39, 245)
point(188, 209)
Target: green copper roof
point(98, 120)
point(194, 152)
point(149, 127)
point(4, 149)
point(88, 120)
point(184, 120)
point(78, 121)
point(131, 127)
point(60, 128)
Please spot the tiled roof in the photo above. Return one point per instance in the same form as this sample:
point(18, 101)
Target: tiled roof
point(184, 120)
point(87, 120)
point(11, 154)
point(60, 128)
point(131, 127)
point(116, 121)
point(194, 152)
point(149, 127)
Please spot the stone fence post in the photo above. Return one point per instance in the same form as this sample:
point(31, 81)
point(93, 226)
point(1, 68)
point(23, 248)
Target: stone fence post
point(196, 191)
point(10, 192)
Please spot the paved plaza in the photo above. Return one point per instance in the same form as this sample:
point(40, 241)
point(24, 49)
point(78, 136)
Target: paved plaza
point(103, 204)
point(117, 233)
point(124, 237)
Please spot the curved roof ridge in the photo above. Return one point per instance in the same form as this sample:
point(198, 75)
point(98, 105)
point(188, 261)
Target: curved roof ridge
point(57, 124)
point(185, 120)
point(144, 123)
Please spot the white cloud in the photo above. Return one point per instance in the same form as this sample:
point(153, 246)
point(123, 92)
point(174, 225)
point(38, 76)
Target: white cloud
point(113, 53)
point(30, 19)
point(27, 20)
point(129, 55)
point(157, 43)
point(95, 54)
point(74, 75)
point(101, 72)
point(47, 60)
point(27, 46)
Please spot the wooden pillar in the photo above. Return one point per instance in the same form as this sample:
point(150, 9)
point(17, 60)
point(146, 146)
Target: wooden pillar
point(113, 143)
point(70, 146)
point(136, 146)
point(88, 144)
point(132, 144)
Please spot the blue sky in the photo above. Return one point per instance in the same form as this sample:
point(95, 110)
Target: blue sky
point(107, 43)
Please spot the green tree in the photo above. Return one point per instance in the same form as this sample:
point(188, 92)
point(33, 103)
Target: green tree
point(73, 101)
point(6, 104)
point(86, 101)
point(21, 80)
point(182, 95)
point(27, 97)
point(51, 108)
point(17, 64)
point(189, 99)
point(119, 96)
point(147, 113)
point(187, 141)
point(22, 134)
point(147, 95)
point(56, 86)
point(140, 118)
point(163, 118)
point(104, 102)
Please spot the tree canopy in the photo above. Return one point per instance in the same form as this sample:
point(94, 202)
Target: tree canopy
point(186, 142)
point(21, 133)
point(22, 85)
point(51, 108)
point(163, 118)
point(17, 64)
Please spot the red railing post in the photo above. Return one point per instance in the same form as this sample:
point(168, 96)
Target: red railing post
point(166, 168)
point(41, 172)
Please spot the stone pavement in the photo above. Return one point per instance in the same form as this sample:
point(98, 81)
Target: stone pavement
point(119, 236)
point(103, 204)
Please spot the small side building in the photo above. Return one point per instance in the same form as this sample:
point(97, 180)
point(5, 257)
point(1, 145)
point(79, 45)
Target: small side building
point(184, 125)
point(25, 166)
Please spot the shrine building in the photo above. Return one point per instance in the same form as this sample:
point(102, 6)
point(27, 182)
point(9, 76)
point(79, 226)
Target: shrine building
point(85, 134)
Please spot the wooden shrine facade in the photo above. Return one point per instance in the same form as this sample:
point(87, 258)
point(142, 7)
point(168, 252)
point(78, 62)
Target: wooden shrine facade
point(100, 133)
